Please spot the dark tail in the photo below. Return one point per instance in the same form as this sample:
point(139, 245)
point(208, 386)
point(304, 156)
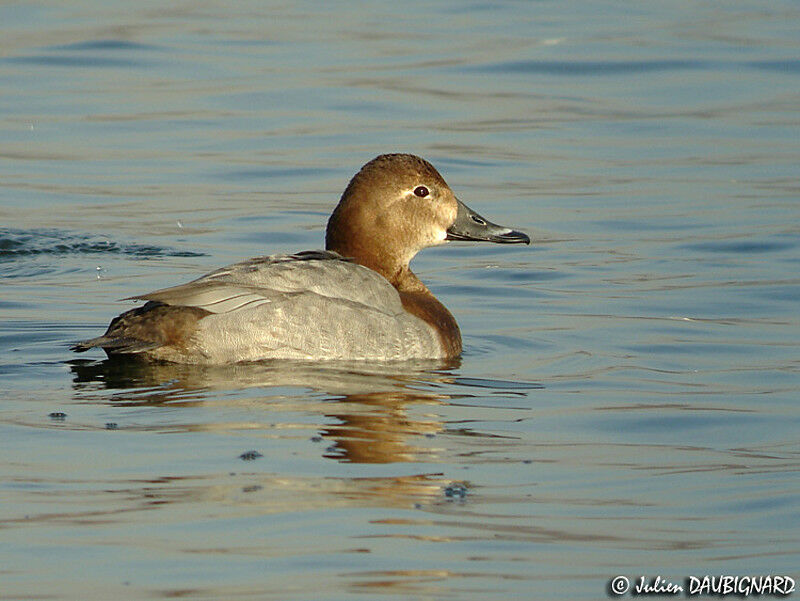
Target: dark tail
point(145, 328)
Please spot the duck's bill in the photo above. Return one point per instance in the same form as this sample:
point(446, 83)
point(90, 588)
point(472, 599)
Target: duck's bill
point(471, 226)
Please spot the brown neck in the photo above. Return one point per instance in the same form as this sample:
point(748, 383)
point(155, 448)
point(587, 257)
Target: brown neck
point(420, 302)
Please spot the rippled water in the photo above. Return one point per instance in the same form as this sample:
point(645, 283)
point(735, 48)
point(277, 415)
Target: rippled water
point(627, 399)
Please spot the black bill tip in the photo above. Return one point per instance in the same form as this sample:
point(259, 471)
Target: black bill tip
point(512, 237)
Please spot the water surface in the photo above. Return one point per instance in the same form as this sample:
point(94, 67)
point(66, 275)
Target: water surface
point(627, 399)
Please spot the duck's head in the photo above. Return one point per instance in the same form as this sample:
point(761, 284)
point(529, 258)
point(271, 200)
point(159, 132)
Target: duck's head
point(398, 204)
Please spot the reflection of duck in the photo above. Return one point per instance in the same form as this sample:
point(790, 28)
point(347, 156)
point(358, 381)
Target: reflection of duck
point(356, 300)
point(368, 423)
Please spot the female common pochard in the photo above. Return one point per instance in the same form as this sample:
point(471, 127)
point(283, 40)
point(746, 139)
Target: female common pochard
point(356, 300)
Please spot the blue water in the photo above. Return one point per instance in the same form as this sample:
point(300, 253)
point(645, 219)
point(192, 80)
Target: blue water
point(627, 399)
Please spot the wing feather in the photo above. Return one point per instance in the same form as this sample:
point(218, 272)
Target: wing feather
point(263, 280)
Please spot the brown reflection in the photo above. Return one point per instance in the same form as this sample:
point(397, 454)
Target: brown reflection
point(365, 419)
point(380, 431)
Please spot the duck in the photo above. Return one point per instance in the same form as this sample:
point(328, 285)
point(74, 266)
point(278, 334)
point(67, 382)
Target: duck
point(357, 300)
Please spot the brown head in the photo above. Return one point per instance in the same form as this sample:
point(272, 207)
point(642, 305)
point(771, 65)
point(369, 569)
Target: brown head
point(395, 206)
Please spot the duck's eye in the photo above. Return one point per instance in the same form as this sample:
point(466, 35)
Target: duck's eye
point(421, 191)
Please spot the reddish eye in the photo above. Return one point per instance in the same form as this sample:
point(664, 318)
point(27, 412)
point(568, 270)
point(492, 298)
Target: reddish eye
point(421, 191)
